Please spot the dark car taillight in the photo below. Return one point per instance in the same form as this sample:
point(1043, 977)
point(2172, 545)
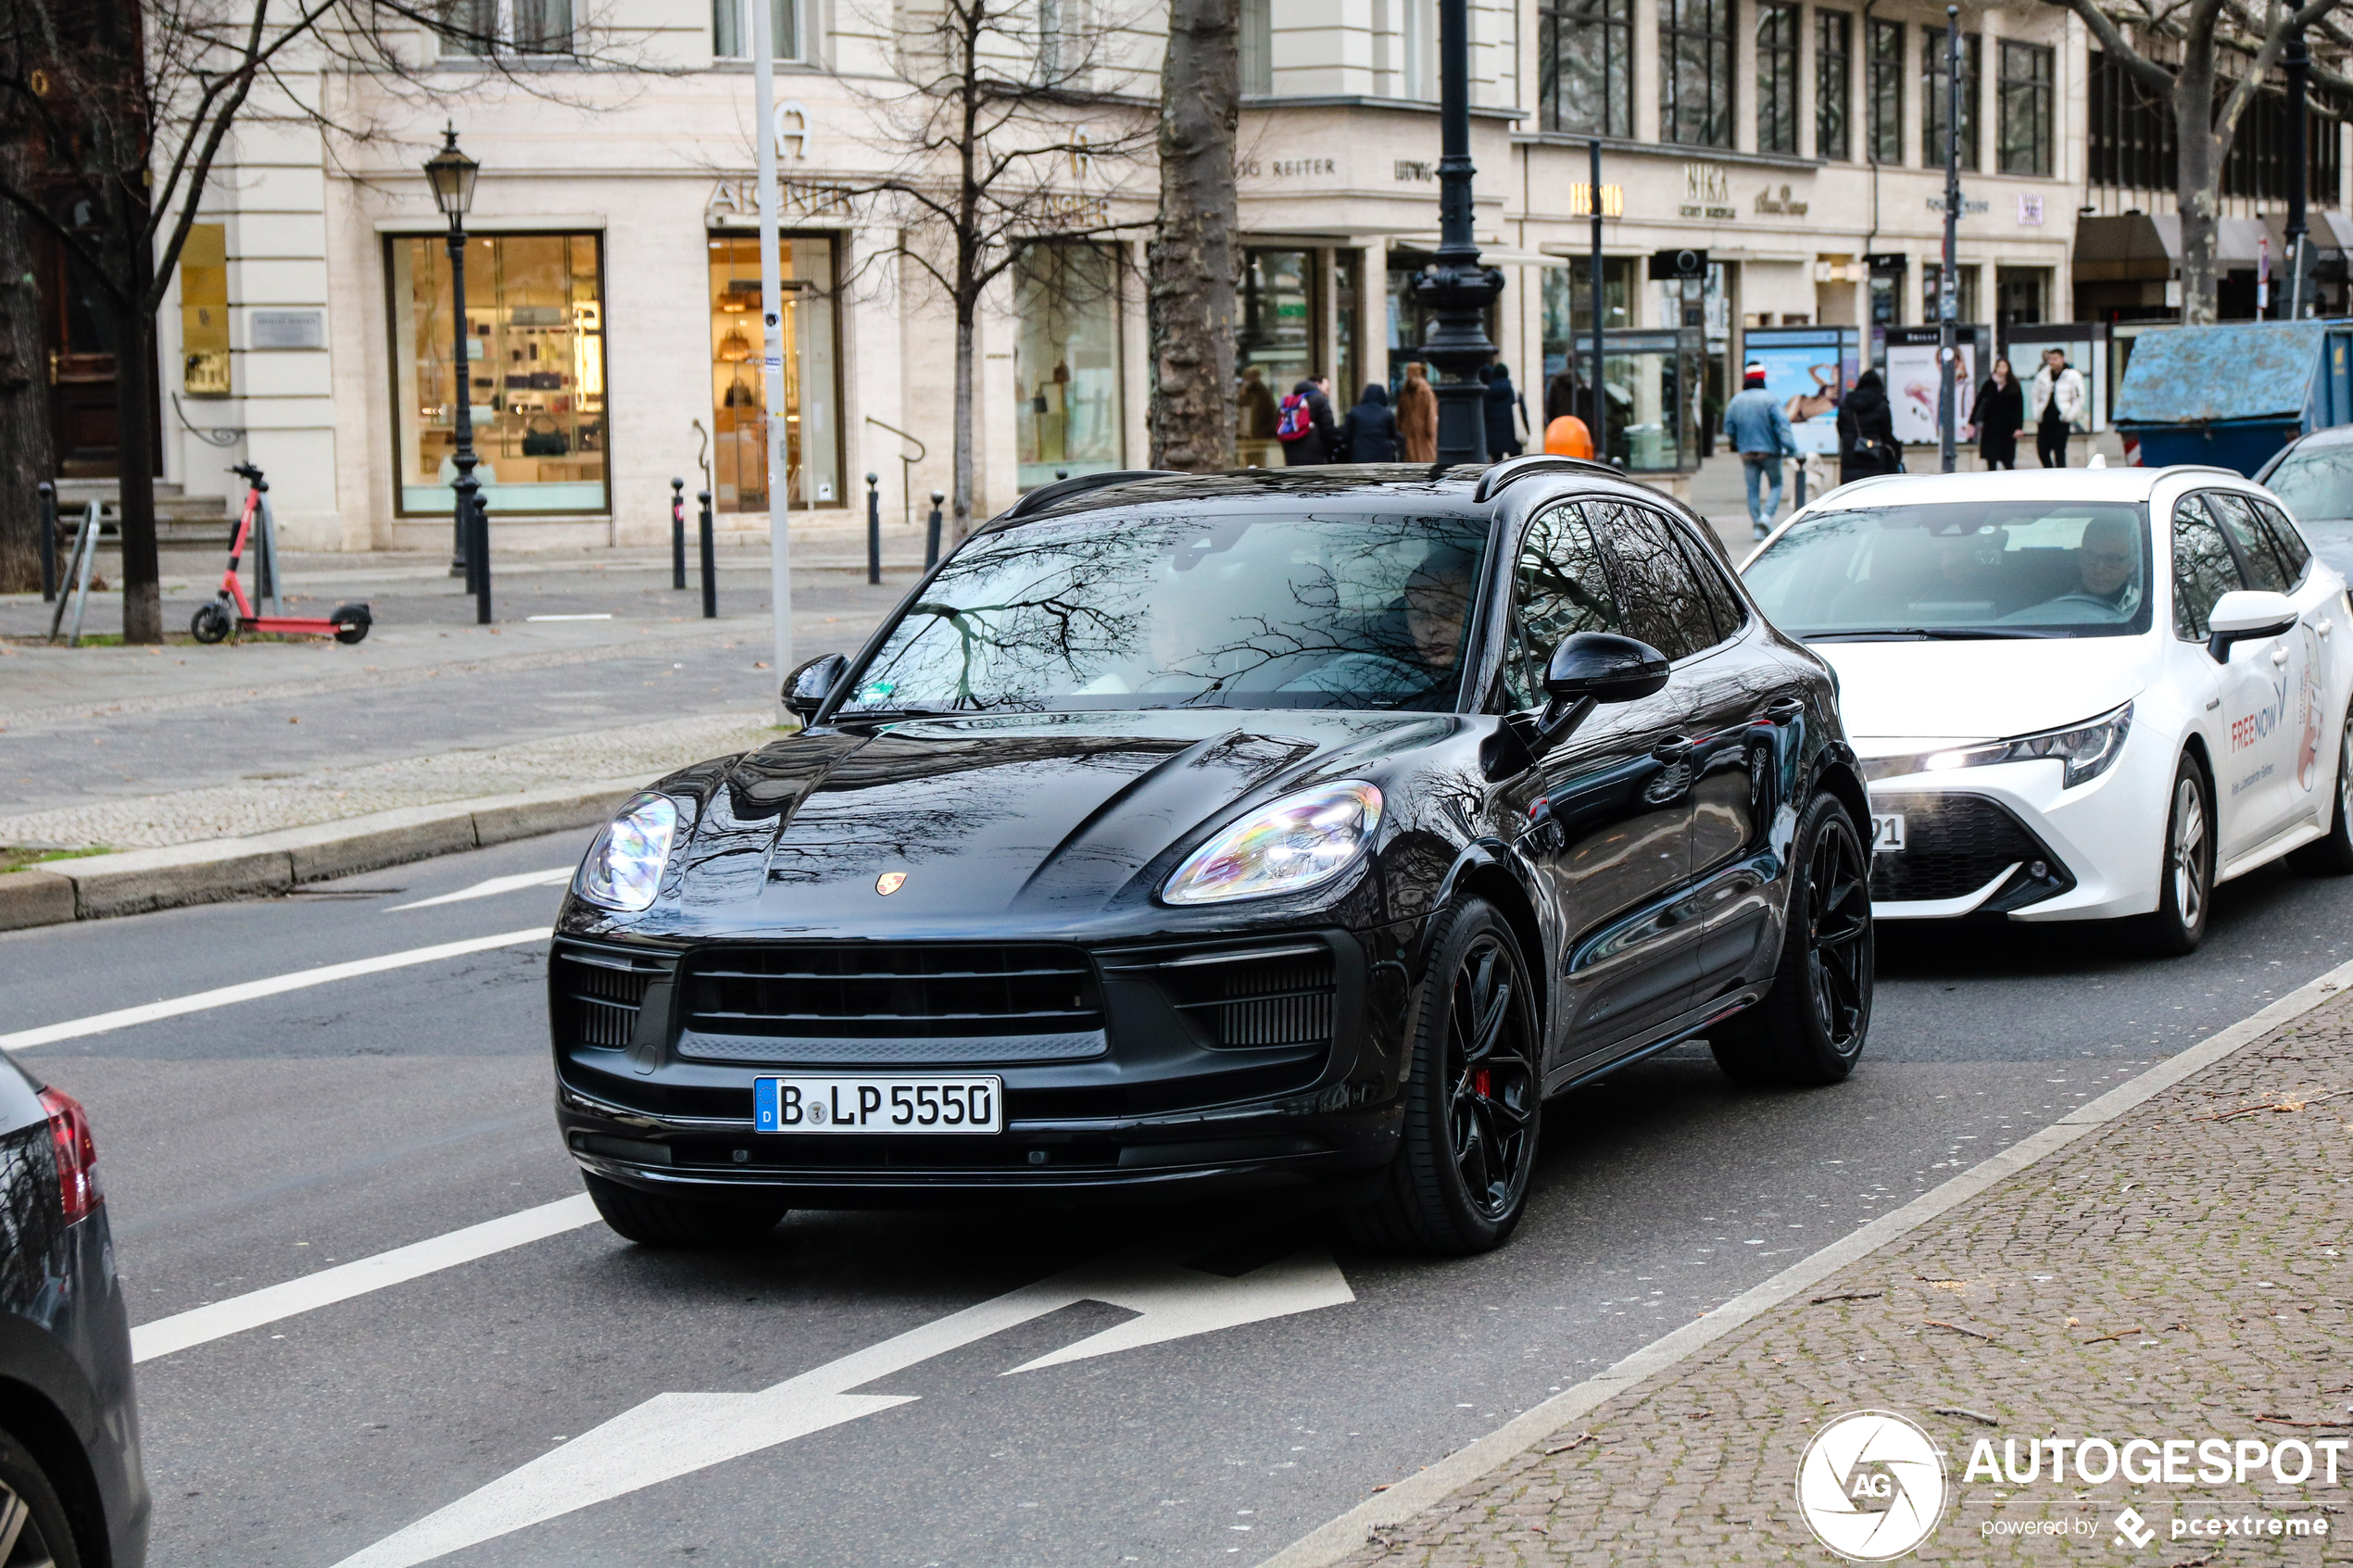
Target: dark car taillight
point(77, 1154)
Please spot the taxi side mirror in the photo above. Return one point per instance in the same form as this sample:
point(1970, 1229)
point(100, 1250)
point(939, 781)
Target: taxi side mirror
point(806, 689)
point(2247, 615)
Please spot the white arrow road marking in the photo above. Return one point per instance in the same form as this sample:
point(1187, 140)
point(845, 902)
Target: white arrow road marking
point(491, 888)
point(673, 1435)
point(345, 1281)
point(148, 1012)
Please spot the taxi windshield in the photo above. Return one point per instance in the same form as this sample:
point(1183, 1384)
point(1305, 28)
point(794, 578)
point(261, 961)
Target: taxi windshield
point(1959, 571)
point(1304, 610)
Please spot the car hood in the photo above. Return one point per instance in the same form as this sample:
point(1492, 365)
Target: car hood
point(1957, 690)
point(1023, 819)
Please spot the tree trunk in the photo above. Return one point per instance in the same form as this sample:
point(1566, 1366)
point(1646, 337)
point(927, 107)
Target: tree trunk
point(1190, 262)
point(2196, 182)
point(962, 497)
point(25, 449)
point(134, 416)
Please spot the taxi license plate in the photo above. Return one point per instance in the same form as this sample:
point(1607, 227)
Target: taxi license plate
point(1887, 833)
point(896, 1103)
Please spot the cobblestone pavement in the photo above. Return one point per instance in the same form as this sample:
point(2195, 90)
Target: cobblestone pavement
point(331, 794)
point(2180, 1273)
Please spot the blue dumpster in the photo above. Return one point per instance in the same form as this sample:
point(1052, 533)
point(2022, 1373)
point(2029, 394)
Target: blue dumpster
point(2232, 395)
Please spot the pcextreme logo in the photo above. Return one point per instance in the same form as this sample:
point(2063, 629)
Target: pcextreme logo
point(1871, 1485)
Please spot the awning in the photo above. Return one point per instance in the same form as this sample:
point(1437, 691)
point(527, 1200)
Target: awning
point(2139, 246)
point(1490, 254)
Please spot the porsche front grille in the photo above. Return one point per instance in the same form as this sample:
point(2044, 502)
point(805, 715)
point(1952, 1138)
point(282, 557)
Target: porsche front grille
point(1240, 998)
point(596, 997)
point(849, 991)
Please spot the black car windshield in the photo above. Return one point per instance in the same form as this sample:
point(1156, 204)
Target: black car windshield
point(2316, 483)
point(1304, 610)
point(1960, 571)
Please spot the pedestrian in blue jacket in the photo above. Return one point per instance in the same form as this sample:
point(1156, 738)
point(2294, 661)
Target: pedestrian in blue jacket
point(1760, 433)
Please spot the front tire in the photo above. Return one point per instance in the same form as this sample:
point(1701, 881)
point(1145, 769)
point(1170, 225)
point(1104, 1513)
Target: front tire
point(2186, 874)
point(1810, 1027)
point(211, 623)
point(35, 1531)
point(1473, 1098)
point(2332, 855)
point(651, 1220)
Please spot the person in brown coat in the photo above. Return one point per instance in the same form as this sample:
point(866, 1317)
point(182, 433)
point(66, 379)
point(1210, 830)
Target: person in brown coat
point(1417, 416)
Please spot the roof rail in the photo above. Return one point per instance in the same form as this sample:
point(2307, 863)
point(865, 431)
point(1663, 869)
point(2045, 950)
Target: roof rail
point(1063, 489)
point(1499, 474)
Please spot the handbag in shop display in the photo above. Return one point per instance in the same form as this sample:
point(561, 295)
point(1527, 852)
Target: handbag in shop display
point(550, 443)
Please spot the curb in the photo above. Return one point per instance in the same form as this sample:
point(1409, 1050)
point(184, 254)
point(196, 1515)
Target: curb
point(1344, 1536)
point(139, 880)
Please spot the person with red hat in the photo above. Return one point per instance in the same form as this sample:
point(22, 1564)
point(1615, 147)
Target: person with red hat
point(1760, 433)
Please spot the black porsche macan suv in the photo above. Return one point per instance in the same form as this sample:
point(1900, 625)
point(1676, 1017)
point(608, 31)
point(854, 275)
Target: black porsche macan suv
point(1185, 834)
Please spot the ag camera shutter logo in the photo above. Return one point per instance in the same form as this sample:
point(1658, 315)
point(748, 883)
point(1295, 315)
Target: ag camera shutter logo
point(1871, 1485)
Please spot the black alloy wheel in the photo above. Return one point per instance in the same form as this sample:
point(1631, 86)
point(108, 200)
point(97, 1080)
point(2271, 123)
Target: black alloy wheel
point(653, 1220)
point(35, 1531)
point(2332, 854)
point(2185, 872)
point(1473, 1099)
point(1810, 1027)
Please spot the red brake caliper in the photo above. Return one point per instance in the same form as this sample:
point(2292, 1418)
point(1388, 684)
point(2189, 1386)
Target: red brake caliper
point(1480, 1082)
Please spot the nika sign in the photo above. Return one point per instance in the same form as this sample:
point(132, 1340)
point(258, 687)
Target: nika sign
point(1708, 192)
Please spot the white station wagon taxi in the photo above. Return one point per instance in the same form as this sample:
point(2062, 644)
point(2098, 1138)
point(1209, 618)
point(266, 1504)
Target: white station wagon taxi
point(2078, 694)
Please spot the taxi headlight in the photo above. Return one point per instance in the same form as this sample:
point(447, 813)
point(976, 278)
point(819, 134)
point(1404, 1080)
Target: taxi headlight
point(624, 867)
point(1301, 841)
point(2086, 750)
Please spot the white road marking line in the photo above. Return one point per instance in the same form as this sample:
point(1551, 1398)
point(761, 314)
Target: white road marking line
point(246, 991)
point(345, 1281)
point(492, 887)
point(567, 618)
point(674, 1434)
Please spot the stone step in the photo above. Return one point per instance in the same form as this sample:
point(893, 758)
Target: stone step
point(180, 518)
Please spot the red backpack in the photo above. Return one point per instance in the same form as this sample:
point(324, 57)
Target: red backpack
point(1294, 419)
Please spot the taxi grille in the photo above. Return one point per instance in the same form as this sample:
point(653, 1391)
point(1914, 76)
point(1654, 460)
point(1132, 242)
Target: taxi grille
point(1955, 845)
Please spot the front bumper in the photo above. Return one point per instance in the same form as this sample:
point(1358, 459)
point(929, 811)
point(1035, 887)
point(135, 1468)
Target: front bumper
point(1182, 1067)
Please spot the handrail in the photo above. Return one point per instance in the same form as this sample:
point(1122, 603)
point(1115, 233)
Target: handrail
point(906, 469)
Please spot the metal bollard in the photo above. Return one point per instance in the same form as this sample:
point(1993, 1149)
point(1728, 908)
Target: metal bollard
point(677, 534)
point(931, 531)
point(709, 564)
point(48, 542)
point(874, 530)
point(479, 557)
point(1799, 504)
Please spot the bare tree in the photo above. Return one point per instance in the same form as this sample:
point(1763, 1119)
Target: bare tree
point(1191, 260)
point(116, 112)
point(25, 456)
point(1010, 128)
point(2205, 34)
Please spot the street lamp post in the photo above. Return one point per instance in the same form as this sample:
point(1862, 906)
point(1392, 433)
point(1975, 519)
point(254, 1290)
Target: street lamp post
point(1948, 352)
point(452, 175)
point(1457, 290)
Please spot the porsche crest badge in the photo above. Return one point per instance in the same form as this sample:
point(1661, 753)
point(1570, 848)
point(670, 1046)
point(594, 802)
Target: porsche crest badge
point(888, 883)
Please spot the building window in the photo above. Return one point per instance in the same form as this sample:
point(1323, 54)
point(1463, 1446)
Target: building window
point(731, 28)
point(1257, 45)
point(1418, 22)
point(739, 393)
point(535, 355)
point(1883, 84)
point(2131, 131)
point(1273, 346)
point(1695, 72)
point(1068, 410)
point(2257, 165)
point(1777, 76)
point(1964, 300)
point(505, 27)
point(1933, 94)
point(2020, 294)
point(2023, 120)
point(1833, 83)
point(1584, 63)
point(204, 311)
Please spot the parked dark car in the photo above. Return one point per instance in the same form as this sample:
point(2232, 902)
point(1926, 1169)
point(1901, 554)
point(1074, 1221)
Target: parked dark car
point(72, 1492)
point(1290, 828)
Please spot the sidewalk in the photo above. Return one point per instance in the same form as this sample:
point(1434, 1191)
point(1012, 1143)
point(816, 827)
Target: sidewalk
point(2179, 1273)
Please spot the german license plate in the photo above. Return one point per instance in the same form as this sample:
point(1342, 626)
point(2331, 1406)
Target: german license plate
point(896, 1103)
point(1887, 833)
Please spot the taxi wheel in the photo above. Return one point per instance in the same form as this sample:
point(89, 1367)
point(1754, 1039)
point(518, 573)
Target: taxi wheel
point(653, 1221)
point(2332, 854)
point(2185, 879)
point(1811, 1026)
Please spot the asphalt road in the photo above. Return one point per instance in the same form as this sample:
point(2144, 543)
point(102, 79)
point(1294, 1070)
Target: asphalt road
point(271, 1139)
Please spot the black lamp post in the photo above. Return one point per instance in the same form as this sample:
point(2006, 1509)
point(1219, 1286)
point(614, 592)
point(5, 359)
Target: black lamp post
point(452, 174)
point(1457, 290)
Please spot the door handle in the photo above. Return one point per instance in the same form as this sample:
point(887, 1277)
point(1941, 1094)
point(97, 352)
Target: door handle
point(1674, 749)
point(2323, 627)
point(2279, 656)
point(1781, 710)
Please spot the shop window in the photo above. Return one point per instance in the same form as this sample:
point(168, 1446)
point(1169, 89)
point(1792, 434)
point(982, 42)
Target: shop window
point(1274, 345)
point(1568, 311)
point(2024, 125)
point(731, 28)
point(1409, 324)
point(740, 392)
point(1695, 72)
point(536, 356)
point(1347, 362)
point(1884, 86)
point(1068, 414)
point(1965, 303)
point(204, 311)
point(2020, 294)
point(1934, 79)
point(505, 27)
point(1833, 82)
point(1584, 63)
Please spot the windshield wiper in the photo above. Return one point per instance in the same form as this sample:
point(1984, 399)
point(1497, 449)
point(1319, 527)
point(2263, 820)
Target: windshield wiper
point(1924, 635)
point(912, 711)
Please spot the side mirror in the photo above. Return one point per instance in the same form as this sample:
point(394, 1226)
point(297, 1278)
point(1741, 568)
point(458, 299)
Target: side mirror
point(1605, 666)
point(2247, 615)
point(807, 688)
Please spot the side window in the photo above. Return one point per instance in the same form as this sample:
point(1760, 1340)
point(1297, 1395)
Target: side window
point(2294, 553)
point(1723, 604)
point(2264, 568)
point(1559, 589)
point(2203, 570)
point(1661, 599)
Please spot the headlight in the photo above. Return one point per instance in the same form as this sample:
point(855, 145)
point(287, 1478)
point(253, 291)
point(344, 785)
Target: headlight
point(624, 867)
point(1296, 844)
point(2086, 750)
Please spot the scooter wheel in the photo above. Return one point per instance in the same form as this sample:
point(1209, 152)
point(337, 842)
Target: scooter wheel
point(351, 623)
point(211, 624)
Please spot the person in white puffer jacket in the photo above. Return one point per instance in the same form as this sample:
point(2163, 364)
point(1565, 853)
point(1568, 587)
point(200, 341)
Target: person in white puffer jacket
point(2056, 406)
